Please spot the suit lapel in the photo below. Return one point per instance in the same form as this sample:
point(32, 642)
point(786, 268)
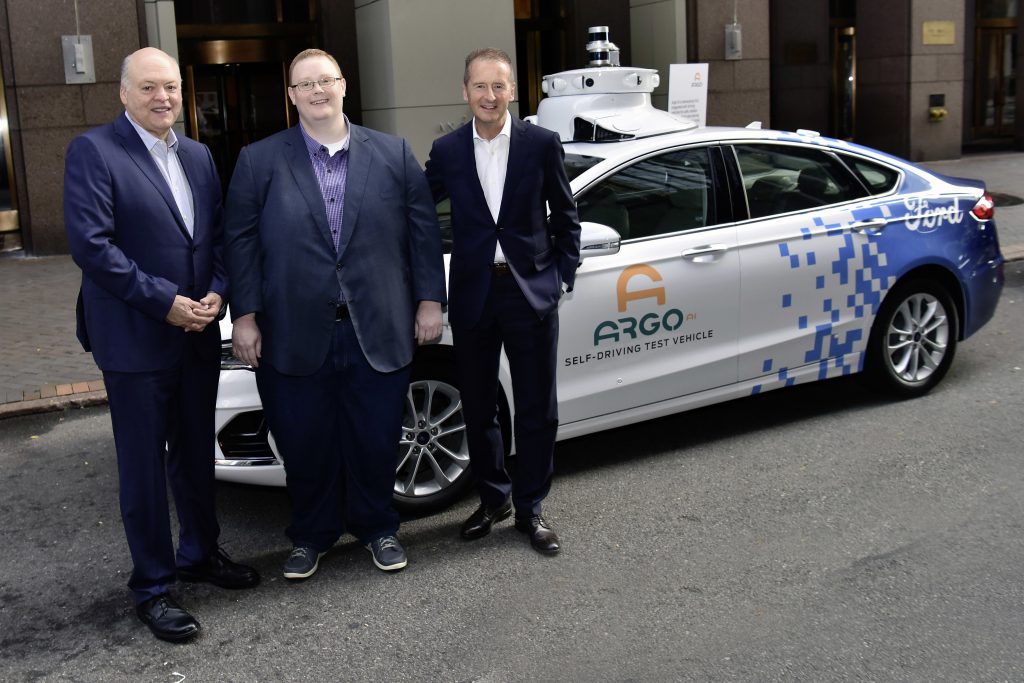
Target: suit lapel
point(360, 159)
point(302, 171)
point(138, 153)
point(517, 146)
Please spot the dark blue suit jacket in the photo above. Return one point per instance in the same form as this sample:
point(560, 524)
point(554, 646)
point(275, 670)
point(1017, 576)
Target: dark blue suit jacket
point(542, 253)
point(279, 248)
point(127, 236)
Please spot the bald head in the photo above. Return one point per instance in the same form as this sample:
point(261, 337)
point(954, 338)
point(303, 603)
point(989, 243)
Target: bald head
point(145, 55)
point(151, 90)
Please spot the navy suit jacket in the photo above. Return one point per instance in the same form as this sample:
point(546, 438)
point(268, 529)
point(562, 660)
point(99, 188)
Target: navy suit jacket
point(279, 247)
point(128, 237)
point(542, 253)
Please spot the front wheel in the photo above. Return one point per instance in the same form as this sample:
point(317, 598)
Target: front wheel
point(913, 340)
point(433, 451)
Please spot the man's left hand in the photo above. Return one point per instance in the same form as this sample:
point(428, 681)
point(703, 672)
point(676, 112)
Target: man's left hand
point(213, 302)
point(428, 321)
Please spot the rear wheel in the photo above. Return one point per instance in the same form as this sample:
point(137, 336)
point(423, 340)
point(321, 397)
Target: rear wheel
point(913, 340)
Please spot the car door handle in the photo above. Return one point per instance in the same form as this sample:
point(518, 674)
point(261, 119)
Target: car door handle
point(873, 226)
point(705, 254)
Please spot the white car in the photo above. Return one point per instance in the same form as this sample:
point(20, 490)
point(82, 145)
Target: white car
point(717, 263)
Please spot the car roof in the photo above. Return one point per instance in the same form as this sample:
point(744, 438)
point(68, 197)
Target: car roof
point(721, 134)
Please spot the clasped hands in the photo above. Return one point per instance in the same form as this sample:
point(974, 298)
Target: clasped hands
point(194, 316)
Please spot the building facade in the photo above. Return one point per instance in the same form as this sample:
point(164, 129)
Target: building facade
point(924, 79)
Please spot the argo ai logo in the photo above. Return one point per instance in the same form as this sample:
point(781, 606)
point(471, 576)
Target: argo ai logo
point(650, 323)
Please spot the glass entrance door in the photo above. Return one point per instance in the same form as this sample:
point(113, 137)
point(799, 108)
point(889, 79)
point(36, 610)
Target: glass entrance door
point(234, 57)
point(10, 230)
point(232, 105)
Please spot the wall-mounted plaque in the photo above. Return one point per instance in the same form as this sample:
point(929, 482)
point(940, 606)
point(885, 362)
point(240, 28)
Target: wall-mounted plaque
point(938, 32)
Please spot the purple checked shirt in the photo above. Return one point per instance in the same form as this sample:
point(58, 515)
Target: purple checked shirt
point(331, 172)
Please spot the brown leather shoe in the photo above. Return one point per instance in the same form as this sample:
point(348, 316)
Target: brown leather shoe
point(542, 537)
point(483, 518)
point(167, 619)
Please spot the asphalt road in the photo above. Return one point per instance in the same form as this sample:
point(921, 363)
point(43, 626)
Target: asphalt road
point(820, 533)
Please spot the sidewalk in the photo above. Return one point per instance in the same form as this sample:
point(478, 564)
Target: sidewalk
point(42, 366)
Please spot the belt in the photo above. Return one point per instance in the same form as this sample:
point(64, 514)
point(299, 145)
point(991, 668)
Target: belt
point(500, 269)
point(341, 312)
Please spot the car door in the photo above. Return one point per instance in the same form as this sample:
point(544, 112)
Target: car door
point(806, 262)
point(658, 319)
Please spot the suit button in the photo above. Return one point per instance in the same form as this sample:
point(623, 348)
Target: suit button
point(338, 267)
point(195, 249)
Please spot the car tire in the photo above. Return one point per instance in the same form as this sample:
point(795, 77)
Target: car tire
point(433, 470)
point(913, 339)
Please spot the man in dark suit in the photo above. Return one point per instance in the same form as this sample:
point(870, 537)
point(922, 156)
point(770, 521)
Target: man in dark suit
point(334, 252)
point(510, 266)
point(142, 211)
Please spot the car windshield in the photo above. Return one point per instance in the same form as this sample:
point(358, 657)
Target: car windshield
point(575, 164)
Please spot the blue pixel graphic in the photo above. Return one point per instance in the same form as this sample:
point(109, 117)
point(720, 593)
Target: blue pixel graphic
point(850, 275)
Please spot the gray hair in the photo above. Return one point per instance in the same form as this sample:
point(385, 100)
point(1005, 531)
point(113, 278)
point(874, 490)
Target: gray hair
point(124, 72)
point(491, 54)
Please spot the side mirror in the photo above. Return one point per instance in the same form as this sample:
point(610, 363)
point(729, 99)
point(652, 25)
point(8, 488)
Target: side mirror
point(598, 240)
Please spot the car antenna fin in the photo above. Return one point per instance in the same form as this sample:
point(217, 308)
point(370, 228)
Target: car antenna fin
point(754, 125)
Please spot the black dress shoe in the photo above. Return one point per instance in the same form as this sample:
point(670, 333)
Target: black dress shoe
point(542, 537)
point(166, 619)
point(219, 570)
point(480, 522)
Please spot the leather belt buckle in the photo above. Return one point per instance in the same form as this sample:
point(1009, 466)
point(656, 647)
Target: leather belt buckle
point(500, 269)
point(341, 312)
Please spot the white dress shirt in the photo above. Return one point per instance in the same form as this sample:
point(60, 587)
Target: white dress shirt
point(491, 164)
point(165, 154)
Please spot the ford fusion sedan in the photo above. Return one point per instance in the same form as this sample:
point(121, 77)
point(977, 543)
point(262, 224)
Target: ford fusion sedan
point(717, 263)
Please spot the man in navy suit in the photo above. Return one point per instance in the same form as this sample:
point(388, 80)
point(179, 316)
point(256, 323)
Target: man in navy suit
point(510, 265)
point(334, 252)
point(142, 211)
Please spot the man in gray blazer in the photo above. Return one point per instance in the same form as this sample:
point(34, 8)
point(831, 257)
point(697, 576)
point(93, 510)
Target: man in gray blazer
point(334, 251)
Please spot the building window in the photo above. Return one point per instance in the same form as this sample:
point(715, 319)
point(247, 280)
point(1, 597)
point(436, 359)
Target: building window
point(997, 9)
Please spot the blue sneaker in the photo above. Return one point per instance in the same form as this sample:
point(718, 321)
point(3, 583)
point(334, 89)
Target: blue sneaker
point(387, 553)
point(302, 563)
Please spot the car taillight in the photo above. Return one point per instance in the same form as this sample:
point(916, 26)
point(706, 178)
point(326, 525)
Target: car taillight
point(985, 208)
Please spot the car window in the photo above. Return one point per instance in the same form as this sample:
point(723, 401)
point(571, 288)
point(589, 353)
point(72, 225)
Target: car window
point(575, 164)
point(784, 178)
point(658, 195)
point(877, 178)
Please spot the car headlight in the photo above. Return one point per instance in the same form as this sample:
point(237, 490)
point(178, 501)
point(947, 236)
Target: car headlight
point(228, 360)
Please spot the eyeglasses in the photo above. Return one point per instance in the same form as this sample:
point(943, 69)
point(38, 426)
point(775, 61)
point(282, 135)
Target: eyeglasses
point(325, 82)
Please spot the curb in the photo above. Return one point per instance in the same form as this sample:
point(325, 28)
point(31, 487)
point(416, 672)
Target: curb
point(48, 405)
point(79, 398)
point(1014, 253)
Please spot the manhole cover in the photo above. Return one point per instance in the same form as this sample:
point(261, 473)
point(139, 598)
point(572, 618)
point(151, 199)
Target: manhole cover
point(1005, 199)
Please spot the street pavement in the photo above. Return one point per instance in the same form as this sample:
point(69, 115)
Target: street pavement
point(822, 533)
point(42, 366)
